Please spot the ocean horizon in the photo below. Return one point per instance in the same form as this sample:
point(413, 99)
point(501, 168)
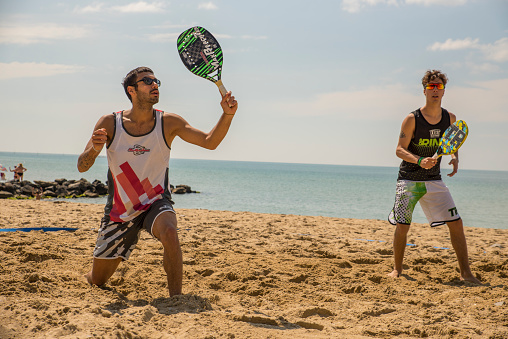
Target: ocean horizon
point(343, 191)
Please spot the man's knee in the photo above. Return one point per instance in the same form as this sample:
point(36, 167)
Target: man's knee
point(168, 234)
point(165, 228)
point(455, 226)
point(402, 229)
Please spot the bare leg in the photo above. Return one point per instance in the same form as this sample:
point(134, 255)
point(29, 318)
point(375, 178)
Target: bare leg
point(460, 246)
point(164, 229)
point(102, 270)
point(399, 247)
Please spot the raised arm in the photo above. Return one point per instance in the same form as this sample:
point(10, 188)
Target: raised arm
point(175, 125)
point(406, 133)
point(101, 135)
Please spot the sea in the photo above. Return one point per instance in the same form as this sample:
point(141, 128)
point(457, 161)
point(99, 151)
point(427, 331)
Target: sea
point(360, 192)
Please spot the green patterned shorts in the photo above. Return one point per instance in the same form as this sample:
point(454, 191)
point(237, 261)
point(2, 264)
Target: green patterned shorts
point(434, 198)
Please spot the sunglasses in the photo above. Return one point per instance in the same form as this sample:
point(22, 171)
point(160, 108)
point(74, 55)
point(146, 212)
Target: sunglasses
point(432, 86)
point(148, 81)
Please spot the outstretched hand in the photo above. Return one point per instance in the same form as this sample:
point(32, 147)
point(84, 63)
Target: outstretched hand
point(455, 163)
point(229, 104)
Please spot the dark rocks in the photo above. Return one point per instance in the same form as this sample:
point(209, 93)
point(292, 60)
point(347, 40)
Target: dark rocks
point(45, 184)
point(5, 194)
point(60, 188)
point(9, 187)
point(75, 186)
point(50, 194)
point(100, 188)
point(90, 194)
point(63, 188)
point(26, 190)
point(181, 189)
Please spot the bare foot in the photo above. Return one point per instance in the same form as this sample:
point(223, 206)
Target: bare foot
point(472, 279)
point(88, 277)
point(394, 274)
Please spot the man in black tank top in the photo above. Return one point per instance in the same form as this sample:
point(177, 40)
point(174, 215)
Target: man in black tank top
point(419, 178)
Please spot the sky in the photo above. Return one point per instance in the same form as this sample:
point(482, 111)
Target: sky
point(323, 82)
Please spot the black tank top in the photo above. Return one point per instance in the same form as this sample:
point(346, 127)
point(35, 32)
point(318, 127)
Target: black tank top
point(424, 143)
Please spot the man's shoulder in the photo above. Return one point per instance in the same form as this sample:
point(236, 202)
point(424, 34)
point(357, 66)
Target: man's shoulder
point(452, 116)
point(416, 113)
point(169, 114)
point(411, 117)
point(171, 117)
point(106, 121)
point(110, 116)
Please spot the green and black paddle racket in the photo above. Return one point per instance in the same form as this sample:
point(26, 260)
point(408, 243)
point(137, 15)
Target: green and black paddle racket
point(202, 55)
point(452, 138)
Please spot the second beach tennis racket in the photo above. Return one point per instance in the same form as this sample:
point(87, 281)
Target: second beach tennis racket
point(201, 54)
point(452, 138)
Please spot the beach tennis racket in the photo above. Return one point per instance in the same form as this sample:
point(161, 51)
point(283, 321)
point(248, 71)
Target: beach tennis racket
point(201, 54)
point(452, 138)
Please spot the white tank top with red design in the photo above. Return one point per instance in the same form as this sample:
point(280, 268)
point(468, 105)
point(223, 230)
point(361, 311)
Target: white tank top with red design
point(138, 170)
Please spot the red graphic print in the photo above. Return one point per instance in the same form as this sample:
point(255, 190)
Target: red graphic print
point(134, 188)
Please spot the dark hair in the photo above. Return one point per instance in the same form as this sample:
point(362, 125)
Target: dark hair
point(433, 75)
point(130, 78)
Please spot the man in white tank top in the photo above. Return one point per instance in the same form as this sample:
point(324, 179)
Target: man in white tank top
point(138, 143)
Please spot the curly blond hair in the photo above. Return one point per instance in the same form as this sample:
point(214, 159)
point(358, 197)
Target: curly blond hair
point(432, 75)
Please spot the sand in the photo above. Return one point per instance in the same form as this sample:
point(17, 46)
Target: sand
point(248, 275)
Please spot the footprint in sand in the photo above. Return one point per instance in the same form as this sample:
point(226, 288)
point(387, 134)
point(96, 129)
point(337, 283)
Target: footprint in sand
point(205, 273)
point(300, 278)
point(310, 326)
point(366, 261)
point(322, 312)
point(354, 289)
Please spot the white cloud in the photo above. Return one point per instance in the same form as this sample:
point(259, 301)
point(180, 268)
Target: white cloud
point(222, 36)
point(367, 104)
point(140, 7)
point(482, 101)
point(94, 8)
point(164, 37)
point(209, 6)
point(168, 25)
point(34, 70)
point(497, 52)
point(482, 68)
point(437, 2)
point(452, 45)
point(135, 7)
point(40, 33)
point(354, 6)
point(254, 37)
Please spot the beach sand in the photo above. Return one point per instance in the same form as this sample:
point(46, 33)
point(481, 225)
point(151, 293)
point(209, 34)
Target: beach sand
point(248, 275)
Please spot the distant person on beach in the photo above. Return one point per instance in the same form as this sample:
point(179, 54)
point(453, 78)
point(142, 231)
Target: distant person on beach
point(18, 172)
point(138, 143)
point(419, 178)
point(2, 174)
point(37, 193)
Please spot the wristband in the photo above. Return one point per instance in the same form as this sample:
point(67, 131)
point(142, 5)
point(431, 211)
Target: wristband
point(98, 151)
point(420, 161)
point(228, 113)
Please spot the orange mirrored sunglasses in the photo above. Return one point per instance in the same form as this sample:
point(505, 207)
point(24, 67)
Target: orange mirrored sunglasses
point(432, 86)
